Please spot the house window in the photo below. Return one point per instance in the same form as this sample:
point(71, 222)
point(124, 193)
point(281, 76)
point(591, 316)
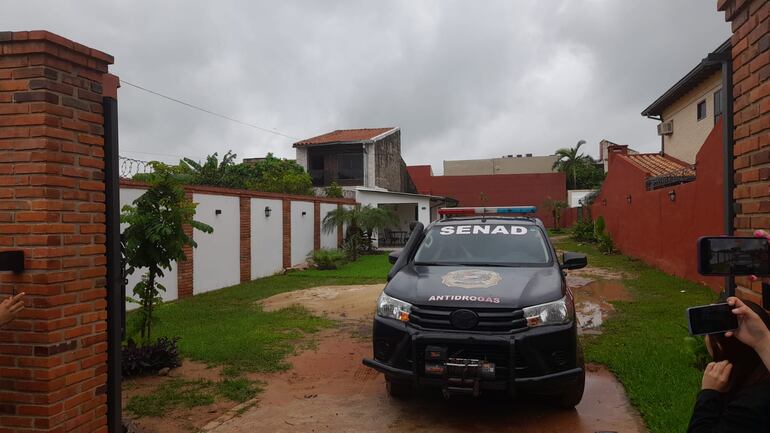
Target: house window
point(717, 103)
point(316, 169)
point(350, 166)
point(702, 110)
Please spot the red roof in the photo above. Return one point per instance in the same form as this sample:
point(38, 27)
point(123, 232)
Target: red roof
point(656, 164)
point(345, 136)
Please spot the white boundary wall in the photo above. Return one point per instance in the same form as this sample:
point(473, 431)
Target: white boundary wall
point(302, 230)
point(328, 239)
point(266, 237)
point(216, 263)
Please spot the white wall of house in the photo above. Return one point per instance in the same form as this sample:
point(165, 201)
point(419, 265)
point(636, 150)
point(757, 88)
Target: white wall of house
point(301, 231)
point(216, 263)
point(266, 237)
point(689, 132)
point(575, 195)
point(370, 165)
point(169, 278)
point(376, 198)
point(328, 239)
point(302, 157)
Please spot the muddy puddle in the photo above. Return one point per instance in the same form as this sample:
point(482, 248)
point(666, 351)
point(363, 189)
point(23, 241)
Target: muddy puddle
point(328, 390)
point(592, 301)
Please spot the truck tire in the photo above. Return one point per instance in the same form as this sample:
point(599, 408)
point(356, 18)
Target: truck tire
point(398, 390)
point(574, 393)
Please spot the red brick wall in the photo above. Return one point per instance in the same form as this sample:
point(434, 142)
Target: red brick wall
point(286, 233)
point(316, 225)
point(53, 359)
point(497, 190)
point(659, 231)
point(184, 272)
point(245, 203)
point(751, 108)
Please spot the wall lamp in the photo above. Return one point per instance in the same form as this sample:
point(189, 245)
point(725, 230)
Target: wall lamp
point(304, 213)
point(218, 212)
point(628, 199)
point(672, 195)
point(267, 211)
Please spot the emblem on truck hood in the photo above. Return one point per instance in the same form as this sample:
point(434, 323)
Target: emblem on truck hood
point(471, 279)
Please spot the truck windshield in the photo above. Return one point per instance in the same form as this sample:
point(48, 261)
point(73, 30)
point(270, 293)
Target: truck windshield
point(492, 244)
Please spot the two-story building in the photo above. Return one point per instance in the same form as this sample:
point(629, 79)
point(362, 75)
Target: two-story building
point(367, 164)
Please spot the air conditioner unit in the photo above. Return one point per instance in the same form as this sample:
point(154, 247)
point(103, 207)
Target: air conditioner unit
point(666, 128)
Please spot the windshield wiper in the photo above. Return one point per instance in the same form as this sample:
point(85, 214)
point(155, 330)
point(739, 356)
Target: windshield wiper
point(433, 264)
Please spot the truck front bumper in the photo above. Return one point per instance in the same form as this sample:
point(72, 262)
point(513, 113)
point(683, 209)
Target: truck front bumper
point(542, 360)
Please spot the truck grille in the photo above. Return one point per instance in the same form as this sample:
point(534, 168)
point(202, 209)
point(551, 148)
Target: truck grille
point(489, 319)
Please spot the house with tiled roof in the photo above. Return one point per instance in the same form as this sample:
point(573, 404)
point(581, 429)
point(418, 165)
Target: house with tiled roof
point(656, 205)
point(368, 165)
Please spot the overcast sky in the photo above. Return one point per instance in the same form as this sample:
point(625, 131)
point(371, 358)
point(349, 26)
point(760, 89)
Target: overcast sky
point(462, 79)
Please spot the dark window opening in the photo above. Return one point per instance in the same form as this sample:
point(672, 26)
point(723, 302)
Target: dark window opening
point(350, 166)
point(316, 169)
point(717, 104)
point(702, 110)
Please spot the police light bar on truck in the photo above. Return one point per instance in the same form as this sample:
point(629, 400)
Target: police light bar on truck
point(508, 210)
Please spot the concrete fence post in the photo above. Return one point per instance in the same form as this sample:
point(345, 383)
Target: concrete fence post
point(286, 233)
point(53, 359)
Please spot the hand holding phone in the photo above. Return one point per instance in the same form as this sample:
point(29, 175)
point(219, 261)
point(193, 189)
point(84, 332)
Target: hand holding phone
point(711, 319)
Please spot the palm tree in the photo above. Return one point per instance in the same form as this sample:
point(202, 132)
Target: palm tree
point(569, 160)
point(361, 222)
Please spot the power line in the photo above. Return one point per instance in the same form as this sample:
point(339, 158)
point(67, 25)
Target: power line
point(195, 107)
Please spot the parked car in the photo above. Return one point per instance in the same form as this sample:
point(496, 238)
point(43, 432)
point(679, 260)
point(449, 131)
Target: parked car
point(478, 301)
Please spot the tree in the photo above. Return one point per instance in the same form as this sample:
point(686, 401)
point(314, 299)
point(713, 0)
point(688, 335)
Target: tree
point(569, 159)
point(555, 207)
point(155, 237)
point(334, 190)
point(361, 222)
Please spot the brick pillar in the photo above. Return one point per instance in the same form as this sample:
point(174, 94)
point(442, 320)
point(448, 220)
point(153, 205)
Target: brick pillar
point(286, 233)
point(316, 225)
point(53, 371)
point(751, 117)
point(184, 271)
point(245, 239)
point(340, 234)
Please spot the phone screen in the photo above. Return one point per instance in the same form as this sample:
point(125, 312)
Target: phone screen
point(734, 256)
point(711, 319)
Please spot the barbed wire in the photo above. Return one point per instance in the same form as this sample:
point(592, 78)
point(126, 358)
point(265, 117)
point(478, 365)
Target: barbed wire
point(130, 167)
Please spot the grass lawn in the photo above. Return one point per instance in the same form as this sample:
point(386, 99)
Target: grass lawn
point(226, 327)
point(643, 343)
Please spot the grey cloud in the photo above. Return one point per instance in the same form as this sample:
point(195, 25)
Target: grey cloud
point(463, 79)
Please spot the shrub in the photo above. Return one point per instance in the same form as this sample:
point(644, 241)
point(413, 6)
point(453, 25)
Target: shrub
point(334, 190)
point(603, 239)
point(583, 231)
point(150, 358)
point(328, 258)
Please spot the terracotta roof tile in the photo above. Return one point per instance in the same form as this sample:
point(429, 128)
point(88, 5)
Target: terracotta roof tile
point(344, 136)
point(657, 165)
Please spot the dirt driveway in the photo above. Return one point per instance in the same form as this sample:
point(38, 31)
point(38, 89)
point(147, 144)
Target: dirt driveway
point(328, 390)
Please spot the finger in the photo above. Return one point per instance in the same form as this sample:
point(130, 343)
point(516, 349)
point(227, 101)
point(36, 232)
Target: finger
point(725, 374)
point(761, 234)
point(710, 367)
point(16, 308)
point(729, 334)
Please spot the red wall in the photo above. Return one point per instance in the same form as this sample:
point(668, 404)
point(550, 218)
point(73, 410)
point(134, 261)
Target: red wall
point(498, 189)
point(659, 231)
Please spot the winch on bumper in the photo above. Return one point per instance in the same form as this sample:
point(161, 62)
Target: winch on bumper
point(531, 361)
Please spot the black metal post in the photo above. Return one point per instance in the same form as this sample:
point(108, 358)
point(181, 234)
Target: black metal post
point(115, 290)
point(727, 140)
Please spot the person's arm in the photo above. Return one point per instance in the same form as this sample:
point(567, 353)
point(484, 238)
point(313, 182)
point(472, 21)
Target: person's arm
point(707, 413)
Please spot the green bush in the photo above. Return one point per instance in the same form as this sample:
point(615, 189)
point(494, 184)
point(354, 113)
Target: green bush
point(328, 258)
point(603, 239)
point(334, 190)
point(583, 231)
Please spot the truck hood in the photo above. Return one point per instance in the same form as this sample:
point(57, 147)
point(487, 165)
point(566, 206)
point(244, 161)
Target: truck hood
point(476, 286)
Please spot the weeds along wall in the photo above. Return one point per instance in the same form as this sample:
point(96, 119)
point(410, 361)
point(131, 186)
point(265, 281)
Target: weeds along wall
point(255, 235)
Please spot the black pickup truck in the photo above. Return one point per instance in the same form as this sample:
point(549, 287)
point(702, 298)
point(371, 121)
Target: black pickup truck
point(478, 301)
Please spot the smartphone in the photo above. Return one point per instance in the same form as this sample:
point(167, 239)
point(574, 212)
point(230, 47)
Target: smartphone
point(729, 255)
point(711, 319)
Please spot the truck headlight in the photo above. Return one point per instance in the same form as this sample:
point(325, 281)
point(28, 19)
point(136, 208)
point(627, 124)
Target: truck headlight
point(551, 313)
point(393, 308)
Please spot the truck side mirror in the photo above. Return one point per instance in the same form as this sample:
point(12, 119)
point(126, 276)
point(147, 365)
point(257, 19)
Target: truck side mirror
point(393, 257)
point(574, 261)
